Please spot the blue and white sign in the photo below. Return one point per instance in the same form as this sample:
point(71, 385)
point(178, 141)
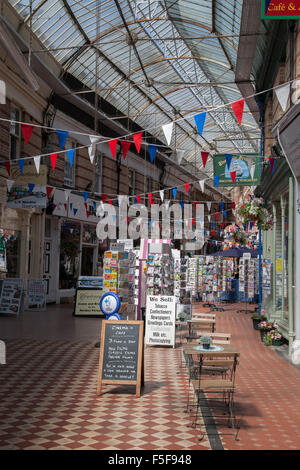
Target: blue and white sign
point(110, 304)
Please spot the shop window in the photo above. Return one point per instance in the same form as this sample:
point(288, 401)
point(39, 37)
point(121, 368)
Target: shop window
point(69, 255)
point(14, 133)
point(10, 252)
point(69, 171)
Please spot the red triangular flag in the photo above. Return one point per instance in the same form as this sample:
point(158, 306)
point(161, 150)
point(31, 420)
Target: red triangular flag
point(272, 161)
point(125, 144)
point(204, 156)
point(223, 224)
point(27, 131)
point(113, 145)
point(238, 109)
point(85, 205)
point(233, 176)
point(138, 198)
point(104, 197)
point(87, 214)
point(110, 202)
point(193, 220)
point(65, 206)
point(138, 140)
point(7, 166)
point(233, 206)
point(213, 233)
point(127, 219)
point(150, 198)
point(217, 215)
point(49, 190)
point(187, 186)
point(196, 203)
point(53, 157)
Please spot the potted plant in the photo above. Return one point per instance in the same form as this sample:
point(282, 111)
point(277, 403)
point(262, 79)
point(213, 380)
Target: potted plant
point(265, 327)
point(182, 316)
point(276, 337)
point(256, 319)
point(205, 341)
point(255, 211)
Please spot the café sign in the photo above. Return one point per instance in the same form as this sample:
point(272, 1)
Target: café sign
point(280, 10)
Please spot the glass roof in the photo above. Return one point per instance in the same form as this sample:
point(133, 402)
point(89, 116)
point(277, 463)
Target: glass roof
point(154, 61)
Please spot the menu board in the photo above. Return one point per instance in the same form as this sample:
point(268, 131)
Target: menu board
point(121, 354)
point(11, 296)
point(87, 302)
point(36, 294)
point(160, 321)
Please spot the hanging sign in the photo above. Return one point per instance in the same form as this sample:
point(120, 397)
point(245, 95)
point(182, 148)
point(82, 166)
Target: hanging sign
point(36, 295)
point(160, 321)
point(121, 354)
point(280, 10)
point(29, 188)
point(11, 296)
point(240, 164)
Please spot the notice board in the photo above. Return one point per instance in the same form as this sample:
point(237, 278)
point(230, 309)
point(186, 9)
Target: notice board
point(121, 354)
point(87, 302)
point(11, 296)
point(160, 321)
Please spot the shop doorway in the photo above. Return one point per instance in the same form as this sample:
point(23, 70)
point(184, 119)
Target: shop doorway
point(49, 272)
point(87, 260)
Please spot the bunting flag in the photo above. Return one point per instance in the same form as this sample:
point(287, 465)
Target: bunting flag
point(187, 187)
point(223, 225)
point(181, 204)
point(70, 154)
point(125, 144)
point(208, 206)
point(113, 147)
point(110, 202)
point(2, 92)
point(213, 233)
point(7, 166)
point(92, 151)
point(224, 213)
point(10, 184)
point(217, 215)
point(88, 214)
point(228, 157)
point(174, 192)
point(21, 162)
point(62, 137)
point(31, 187)
point(201, 182)
point(162, 195)
point(150, 198)
point(252, 170)
point(238, 109)
point(233, 176)
point(272, 163)
point(71, 205)
point(137, 138)
point(208, 218)
point(282, 94)
point(53, 158)
point(213, 224)
point(67, 194)
point(233, 205)
point(49, 190)
point(216, 180)
point(200, 120)
point(85, 195)
point(152, 151)
point(168, 129)
point(179, 154)
point(66, 207)
point(204, 156)
point(221, 205)
point(104, 197)
point(27, 131)
point(37, 161)
point(167, 203)
point(193, 221)
point(85, 205)
point(75, 211)
point(138, 199)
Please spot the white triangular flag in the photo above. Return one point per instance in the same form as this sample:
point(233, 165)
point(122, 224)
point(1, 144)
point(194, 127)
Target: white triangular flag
point(9, 183)
point(2, 92)
point(208, 218)
point(37, 161)
point(168, 129)
point(94, 139)
point(92, 150)
point(162, 195)
point(201, 182)
point(179, 154)
point(67, 194)
point(252, 170)
point(208, 206)
point(282, 94)
point(167, 203)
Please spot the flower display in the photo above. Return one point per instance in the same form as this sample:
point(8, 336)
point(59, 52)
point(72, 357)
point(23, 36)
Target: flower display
point(268, 325)
point(255, 211)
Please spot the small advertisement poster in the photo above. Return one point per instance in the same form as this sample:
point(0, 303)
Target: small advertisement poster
point(160, 321)
point(36, 294)
point(90, 282)
point(11, 296)
point(87, 302)
point(241, 164)
point(28, 191)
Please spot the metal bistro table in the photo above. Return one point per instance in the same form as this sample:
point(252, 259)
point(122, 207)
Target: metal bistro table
point(192, 349)
point(201, 322)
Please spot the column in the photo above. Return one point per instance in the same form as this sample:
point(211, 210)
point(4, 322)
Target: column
point(282, 206)
point(274, 259)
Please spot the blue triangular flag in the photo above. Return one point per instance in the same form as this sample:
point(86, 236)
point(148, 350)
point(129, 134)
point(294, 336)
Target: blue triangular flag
point(228, 157)
point(213, 224)
point(217, 180)
point(221, 205)
point(62, 137)
point(71, 205)
point(181, 204)
point(85, 195)
point(75, 210)
point(21, 164)
point(224, 213)
point(31, 186)
point(178, 222)
point(95, 205)
point(200, 120)
point(152, 151)
point(71, 156)
point(174, 192)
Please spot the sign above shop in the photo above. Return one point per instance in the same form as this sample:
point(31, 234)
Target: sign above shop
point(28, 191)
point(280, 10)
point(245, 166)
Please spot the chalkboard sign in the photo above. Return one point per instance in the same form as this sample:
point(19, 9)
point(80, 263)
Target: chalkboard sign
point(121, 354)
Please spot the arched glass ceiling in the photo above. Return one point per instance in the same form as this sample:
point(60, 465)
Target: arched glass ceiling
point(183, 58)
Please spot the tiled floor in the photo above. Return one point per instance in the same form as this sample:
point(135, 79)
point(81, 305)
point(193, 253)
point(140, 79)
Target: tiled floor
point(48, 394)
